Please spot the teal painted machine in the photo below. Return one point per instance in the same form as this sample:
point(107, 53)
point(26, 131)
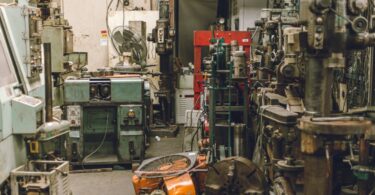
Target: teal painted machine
point(23, 124)
point(108, 118)
point(21, 83)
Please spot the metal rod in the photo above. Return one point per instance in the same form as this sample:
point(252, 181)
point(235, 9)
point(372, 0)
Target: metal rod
point(212, 104)
point(48, 80)
point(239, 140)
point(314, 86)
point(317, 175)
point(342, 118)
point(230, 110)
point(363, 187)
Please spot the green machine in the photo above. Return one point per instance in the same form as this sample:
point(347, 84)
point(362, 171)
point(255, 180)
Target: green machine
point(108, 119)
point(25, 130)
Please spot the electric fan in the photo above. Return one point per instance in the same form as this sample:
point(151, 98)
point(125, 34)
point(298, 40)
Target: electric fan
point(126, 40)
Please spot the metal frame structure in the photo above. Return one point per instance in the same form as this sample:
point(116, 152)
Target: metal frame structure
point(202, 39)
point(52, 179)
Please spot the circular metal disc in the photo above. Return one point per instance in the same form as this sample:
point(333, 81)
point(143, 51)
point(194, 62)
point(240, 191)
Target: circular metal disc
point(235, 175)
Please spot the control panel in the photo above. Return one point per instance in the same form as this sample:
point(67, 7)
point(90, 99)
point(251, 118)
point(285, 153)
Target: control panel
point(27, 114)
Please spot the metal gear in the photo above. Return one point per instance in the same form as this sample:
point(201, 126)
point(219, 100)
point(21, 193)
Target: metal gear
point(235, 175)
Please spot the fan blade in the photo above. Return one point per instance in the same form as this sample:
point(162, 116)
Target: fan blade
point(117, 36)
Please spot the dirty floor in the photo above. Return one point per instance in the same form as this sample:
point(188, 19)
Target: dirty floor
point(119, 182)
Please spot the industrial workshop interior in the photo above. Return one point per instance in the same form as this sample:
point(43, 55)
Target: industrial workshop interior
point(187, 97)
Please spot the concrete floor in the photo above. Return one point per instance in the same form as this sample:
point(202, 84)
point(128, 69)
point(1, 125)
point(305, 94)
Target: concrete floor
point(119, 182)
point(111, 183)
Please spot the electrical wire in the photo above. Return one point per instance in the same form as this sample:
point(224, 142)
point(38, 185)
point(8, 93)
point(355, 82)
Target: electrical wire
point(198, 123)
point(123, 14)
point(101, 143)
point(108, 28)
point(255, 33)
point(191, 124)
point(259, 143)
point(343, 17)
point(117, 5)
point(199, 127)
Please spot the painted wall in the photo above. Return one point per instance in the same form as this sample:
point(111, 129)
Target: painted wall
point(88, 19)
point(247, 11)
point(88, 24)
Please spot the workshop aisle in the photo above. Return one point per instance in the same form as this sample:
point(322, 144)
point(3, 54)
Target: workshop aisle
point(119, 182)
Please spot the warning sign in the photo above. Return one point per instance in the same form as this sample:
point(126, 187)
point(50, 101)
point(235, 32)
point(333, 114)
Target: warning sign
point(103, 38)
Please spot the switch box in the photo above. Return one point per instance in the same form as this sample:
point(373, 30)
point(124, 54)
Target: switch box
point(27, 114)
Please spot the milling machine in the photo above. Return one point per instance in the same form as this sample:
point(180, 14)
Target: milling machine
point(109, 109)
point(307, 139)
point(108, 118)
point(163, 35)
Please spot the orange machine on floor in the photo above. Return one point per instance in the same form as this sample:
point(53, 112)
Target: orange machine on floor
point(177, 174)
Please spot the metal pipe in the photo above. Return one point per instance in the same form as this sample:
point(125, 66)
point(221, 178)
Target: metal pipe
point(318, 171)
point(323, 3)
point(172, 13)
point(363, 187)
point(280, 32)
point(361, 41)
point(239, 140)
point(340, 21)
point(339, 31)
point(315, 101)
point(212, 103)
point(27, 43)
point(230, 111)
point(48, 80)
point(212, 115)
point(164, 9)
point(317, 175)
point(342, 118)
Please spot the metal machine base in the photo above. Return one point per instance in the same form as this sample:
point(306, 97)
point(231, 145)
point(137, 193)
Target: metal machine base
point(164, 131)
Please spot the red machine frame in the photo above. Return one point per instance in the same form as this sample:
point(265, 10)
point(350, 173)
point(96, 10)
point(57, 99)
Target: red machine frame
point(202, 39)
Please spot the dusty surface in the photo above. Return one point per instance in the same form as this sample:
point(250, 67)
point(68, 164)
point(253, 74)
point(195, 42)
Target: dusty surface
point(109, 183)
